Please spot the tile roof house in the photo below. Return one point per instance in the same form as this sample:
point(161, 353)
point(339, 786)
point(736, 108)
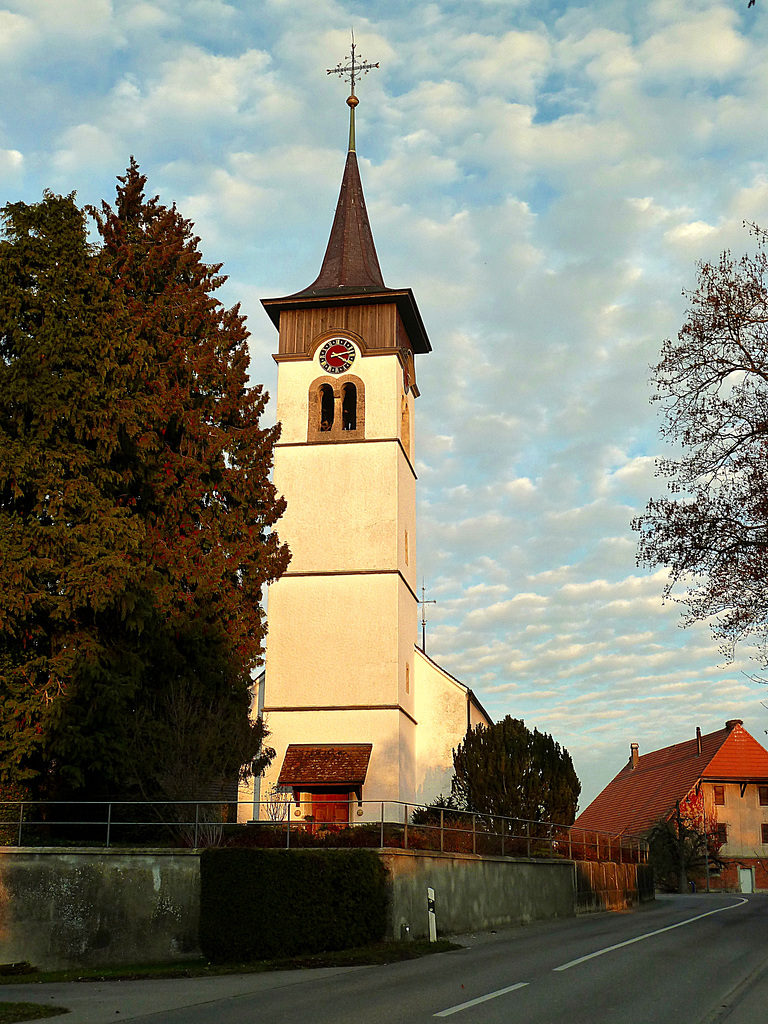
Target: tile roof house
point(729, 768)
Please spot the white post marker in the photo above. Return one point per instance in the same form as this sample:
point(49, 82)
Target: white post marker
point(431, 914)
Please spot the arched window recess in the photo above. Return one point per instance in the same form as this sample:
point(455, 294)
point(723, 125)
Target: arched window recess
point(349, 406)
point(326, 408)
point(336, 409)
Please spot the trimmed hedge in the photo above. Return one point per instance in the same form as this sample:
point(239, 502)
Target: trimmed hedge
point(257, 904)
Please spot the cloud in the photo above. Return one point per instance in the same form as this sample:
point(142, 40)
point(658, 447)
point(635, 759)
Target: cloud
point(690, 234)
point(701, 45)
point(11, 162)
point(545, 179)
point(513, 63)
point(141, 18)
point(86, 145)
point(17, 34)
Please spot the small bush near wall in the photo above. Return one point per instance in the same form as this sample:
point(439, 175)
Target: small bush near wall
point(269, 903)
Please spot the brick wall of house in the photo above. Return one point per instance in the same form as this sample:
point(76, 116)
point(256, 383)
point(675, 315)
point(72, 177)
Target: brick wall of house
point(728, 879)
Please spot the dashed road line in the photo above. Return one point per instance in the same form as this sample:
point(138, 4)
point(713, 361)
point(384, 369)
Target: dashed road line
point(480, 999)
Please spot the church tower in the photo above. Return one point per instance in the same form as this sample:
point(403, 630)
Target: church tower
point(357, 713)
point(339, 695)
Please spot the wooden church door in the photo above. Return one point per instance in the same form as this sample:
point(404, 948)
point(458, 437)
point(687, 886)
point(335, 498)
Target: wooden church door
point(330, 808)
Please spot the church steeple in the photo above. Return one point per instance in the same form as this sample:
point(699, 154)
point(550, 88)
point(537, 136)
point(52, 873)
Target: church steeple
point(350, 274)
point(350, 262)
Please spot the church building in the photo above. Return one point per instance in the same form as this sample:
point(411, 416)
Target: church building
point(356, 711)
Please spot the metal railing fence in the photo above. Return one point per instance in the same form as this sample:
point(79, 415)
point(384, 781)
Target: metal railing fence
point(390, 824)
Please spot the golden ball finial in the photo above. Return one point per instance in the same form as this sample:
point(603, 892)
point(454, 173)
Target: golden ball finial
point(352, 100)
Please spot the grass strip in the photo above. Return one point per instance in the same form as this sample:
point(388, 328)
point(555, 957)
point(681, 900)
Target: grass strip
point(378, 953)
point(10, 1013)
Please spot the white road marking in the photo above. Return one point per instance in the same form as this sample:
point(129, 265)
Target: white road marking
point(480, 999)
point(648, 935)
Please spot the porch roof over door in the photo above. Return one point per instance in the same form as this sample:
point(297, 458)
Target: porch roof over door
point(325, 764)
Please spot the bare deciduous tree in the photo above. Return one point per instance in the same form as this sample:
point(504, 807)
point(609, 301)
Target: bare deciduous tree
point(712, 384)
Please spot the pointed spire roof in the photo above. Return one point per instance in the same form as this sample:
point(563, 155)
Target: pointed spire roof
point(350, 273)
point(350, 263)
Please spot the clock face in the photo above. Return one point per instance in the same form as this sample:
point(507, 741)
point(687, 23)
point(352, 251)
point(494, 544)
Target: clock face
point(337, 355)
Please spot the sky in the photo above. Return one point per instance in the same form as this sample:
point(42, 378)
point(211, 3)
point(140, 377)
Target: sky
point(545, 176)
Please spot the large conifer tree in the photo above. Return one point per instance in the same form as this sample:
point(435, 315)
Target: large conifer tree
point(506, 769)
point(136, 510)
point(69, 552)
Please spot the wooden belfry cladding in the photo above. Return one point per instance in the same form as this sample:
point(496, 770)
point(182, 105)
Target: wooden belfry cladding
point(379, 324)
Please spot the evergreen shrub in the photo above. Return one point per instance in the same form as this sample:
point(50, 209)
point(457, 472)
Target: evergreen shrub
point(258, 904)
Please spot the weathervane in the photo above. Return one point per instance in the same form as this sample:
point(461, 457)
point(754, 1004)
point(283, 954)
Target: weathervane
point(350, 69)
point(353, 68)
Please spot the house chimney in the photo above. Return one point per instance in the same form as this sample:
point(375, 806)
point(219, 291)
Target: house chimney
point(698, 740)
point(733, 721)
point(634, 754)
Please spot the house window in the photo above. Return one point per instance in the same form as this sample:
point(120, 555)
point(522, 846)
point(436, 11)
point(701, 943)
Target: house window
point(764, 834)
point(722, 833)
point(762, 795)
point(408, 684)
point(719, 794)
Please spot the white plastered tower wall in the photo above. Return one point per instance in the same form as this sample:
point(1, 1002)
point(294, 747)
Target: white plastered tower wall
point(342, 621)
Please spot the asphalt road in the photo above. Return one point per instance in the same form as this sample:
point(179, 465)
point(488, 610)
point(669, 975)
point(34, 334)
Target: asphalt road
point(683, 959)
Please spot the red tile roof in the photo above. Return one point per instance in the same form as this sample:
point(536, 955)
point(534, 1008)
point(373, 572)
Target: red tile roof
point(740, 758)
point(638, 797)
point(322, 764)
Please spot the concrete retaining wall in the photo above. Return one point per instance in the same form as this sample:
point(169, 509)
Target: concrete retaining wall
point(607, 886)
point(90, 909)
point(94, 908)
point(473, 892)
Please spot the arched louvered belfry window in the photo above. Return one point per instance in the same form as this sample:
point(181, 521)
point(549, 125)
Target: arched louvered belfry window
point(326, 407)
point(336, 410)
point(349, 406)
